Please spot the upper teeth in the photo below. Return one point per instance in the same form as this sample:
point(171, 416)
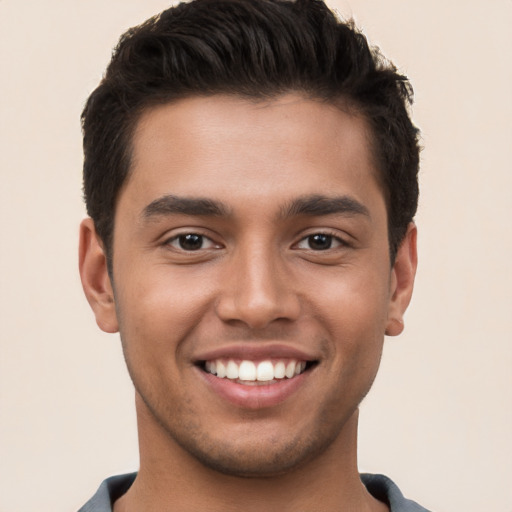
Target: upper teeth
point(251, 371)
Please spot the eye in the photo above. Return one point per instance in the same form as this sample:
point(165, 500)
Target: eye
point(191, 242)
point(319, 242)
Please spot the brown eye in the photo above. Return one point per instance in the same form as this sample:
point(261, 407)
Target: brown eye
point(320, 242)
point(191, 242)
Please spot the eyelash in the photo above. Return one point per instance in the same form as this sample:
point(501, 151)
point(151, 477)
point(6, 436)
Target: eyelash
point(179, 238)
point(333, 239)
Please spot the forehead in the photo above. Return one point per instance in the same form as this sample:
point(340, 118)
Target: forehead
point(229, 147)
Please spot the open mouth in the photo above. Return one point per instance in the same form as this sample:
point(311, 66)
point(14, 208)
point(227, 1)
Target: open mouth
point(249, 372)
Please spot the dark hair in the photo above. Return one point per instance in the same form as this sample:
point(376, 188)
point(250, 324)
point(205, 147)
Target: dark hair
point(257, 49)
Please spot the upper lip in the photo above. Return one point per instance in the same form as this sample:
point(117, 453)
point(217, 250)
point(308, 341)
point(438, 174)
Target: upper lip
point(257, 352)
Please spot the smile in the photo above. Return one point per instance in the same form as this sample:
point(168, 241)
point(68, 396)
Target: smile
point(255, 372)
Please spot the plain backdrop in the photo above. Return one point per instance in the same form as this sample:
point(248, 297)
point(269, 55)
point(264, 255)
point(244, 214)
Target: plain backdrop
point(439, 419)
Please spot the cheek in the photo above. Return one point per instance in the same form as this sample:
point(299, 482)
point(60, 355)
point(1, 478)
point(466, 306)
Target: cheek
point(157, 312)
point(354, 312)
point(354, 304)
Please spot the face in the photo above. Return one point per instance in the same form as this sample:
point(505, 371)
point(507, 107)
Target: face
point(252, 282)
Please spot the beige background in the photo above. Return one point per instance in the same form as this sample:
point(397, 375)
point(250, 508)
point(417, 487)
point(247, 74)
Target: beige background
point(439, 419)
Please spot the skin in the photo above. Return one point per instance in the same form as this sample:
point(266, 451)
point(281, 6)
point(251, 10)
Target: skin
point(257, 280)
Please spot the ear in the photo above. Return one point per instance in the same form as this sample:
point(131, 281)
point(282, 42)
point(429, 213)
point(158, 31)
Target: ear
point(95, 279)
point(402, 281)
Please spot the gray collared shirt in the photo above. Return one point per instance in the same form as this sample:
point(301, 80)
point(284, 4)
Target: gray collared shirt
point(379, 486)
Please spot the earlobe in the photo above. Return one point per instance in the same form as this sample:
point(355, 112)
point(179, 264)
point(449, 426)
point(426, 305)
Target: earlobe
point(402, 281)
point(95, 278)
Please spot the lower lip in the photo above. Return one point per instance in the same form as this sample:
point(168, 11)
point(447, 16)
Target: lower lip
point(254, 396)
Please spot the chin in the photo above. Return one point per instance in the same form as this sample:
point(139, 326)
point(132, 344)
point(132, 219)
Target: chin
point(257, 462)
point(255, 455)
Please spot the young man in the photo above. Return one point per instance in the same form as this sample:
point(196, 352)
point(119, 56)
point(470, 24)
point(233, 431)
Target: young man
point(251, 179)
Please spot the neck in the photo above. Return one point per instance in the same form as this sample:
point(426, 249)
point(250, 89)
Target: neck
point(171, 479)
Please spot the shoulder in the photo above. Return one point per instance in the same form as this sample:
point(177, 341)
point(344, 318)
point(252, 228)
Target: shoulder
point(109, 491)
point(384, 489)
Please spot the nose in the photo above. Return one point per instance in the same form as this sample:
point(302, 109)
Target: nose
point(257, 290)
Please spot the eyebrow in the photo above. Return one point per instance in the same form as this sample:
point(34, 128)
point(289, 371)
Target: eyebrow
point(171, 205)
point(317, 205)
point(312, 205)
